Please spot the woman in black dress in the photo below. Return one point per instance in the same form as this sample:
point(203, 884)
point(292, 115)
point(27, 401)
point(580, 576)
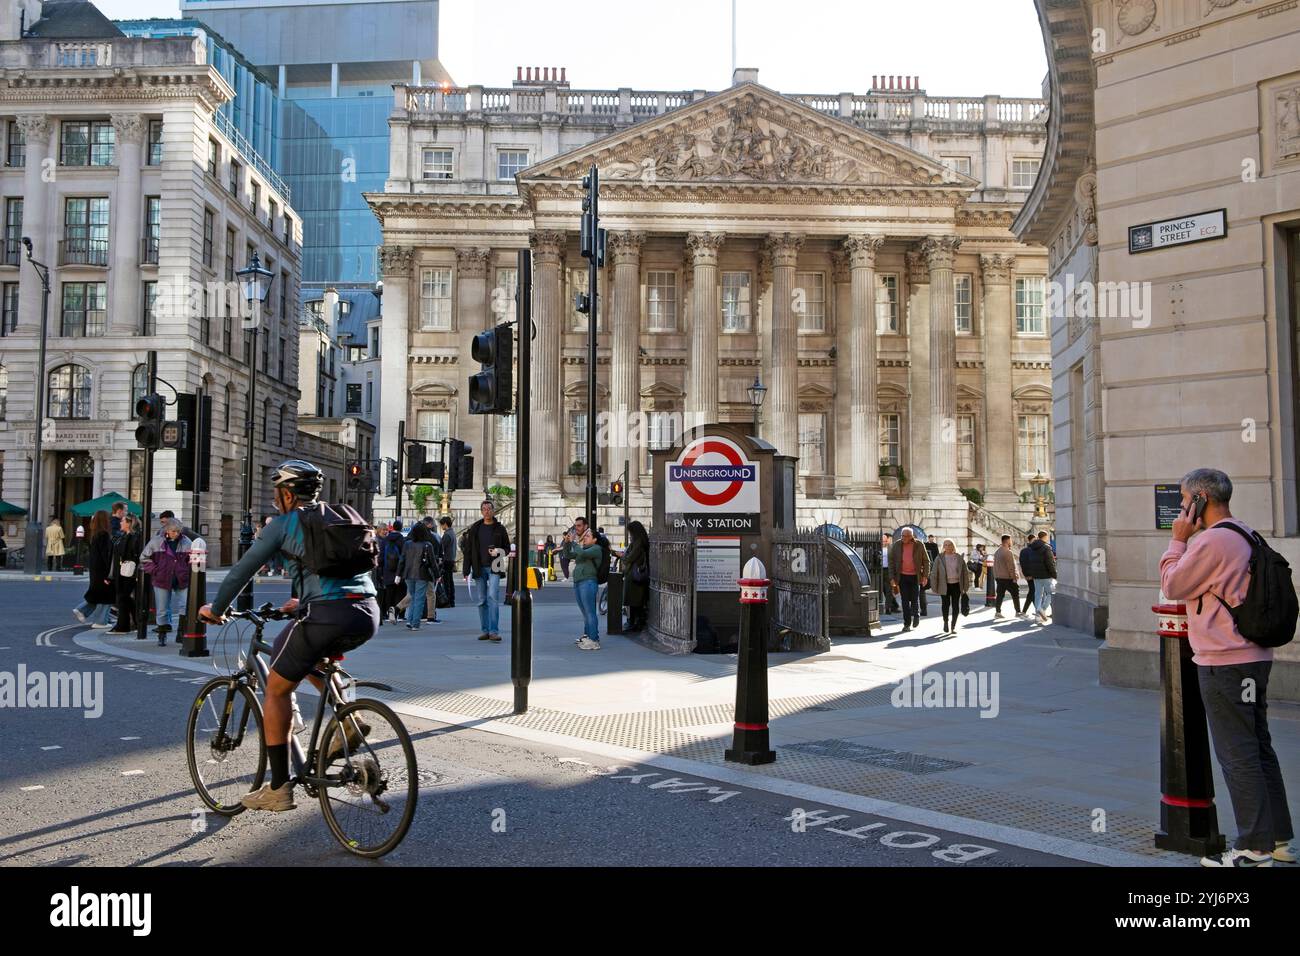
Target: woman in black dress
point(101, 592)
point(126, 567)
point(635, 563)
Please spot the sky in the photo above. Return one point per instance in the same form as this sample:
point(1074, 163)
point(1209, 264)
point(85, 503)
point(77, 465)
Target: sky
point(957, 47)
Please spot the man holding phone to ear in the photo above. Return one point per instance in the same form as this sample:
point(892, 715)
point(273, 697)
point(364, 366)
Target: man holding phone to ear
point(1211, 574)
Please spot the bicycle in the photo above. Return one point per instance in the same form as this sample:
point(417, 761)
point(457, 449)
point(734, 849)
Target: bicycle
point(350, 779)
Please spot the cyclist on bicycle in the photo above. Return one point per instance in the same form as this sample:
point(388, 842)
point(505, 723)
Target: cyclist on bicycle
point(332, 616)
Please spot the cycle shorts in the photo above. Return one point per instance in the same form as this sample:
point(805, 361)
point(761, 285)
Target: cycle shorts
point(327, 629)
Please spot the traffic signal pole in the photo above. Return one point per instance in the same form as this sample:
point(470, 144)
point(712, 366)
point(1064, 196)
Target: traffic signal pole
point(143, 588)
point(593, 315)
point(521, 622)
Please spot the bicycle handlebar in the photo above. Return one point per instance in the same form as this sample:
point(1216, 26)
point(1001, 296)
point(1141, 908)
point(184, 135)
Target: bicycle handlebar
point(267, 612)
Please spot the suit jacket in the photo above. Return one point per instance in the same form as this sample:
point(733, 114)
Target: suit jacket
point(919, 555)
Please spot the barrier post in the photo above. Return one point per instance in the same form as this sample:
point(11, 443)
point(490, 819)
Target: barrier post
point(194, 642)
point(749, 742)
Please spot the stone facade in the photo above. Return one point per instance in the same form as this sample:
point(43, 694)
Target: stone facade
point(828, 246)
point(1164, 109)
point(161, 203)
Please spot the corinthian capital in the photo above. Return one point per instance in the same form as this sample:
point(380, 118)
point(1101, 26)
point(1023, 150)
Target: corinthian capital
point(996, 268)
point(472, 263)
point(625, 247)
point(547, 246)
point(940, 251)
point(703, 247)
point(33, 125)
point(917, 274)
point(784, 248)
point(395, 261)
point(862, 250)
point(128, 127)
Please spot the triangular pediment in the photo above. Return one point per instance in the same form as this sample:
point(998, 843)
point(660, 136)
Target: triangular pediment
point(748, 134)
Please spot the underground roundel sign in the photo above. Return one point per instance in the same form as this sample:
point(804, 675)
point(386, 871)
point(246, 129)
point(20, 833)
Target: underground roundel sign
point(712, 475)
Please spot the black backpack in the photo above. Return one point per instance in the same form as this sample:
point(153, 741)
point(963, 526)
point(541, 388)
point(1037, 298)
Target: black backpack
point(392, 557)
point(1267, 616)
point(337, 542)
point(602, 569)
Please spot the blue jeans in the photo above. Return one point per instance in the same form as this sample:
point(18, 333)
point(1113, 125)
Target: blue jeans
point(1043, 594)
point(162, 601)
point(586, 592)
point(417, 588)
point(487, 594)
point(95, 613)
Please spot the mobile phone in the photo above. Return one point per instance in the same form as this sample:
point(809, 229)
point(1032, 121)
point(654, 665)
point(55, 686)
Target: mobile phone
point(1196, 508)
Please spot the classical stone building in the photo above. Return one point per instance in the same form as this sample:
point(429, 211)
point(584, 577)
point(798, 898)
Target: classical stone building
point(144, 205)
point(852, 252)
point(1161, 110)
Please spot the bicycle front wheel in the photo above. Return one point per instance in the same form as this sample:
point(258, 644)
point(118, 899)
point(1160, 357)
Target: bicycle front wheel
point(374, 782)
point(225, 744)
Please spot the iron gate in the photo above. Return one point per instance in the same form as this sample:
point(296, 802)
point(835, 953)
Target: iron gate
point(671, 621)
point(797, 604)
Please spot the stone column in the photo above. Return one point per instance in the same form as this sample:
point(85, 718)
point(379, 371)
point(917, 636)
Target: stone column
point(940, 253)
point(625, 355)
point(783, 397)
point(844, 421)
point(546, 405)
point(128, 129)
point(394, 350)
point(918, 353)
point(865, 447)
point(702, 376)
point(472, 317)
point(37, 130)
point(997, 318)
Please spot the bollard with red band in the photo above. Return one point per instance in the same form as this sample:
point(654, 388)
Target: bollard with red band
point(749, 742)
point(1188, 819)
point(194, 633)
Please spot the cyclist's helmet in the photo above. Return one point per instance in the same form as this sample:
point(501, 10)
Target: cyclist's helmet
point(303, 478)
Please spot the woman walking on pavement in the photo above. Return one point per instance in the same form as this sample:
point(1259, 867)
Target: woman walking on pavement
point(100, 591)
point(417, 569)
point(126, 559)
point(167, 561)
point(951, 579)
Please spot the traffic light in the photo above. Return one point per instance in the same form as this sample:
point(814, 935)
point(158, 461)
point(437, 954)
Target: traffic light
point(591, 238)
point(149, 421)
point(375, 476)
point(356, 479)
point(489, 390)
point(195, 453)
point(616, 492)
point(415, 456)
point(390, 479)
point(460, 466)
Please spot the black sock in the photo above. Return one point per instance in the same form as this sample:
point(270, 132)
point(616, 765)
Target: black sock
point(277, 755)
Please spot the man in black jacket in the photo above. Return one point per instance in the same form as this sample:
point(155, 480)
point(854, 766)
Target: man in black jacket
point(448, 559)
point(1039, 565)
point(1026, 554)
point(391, 586)
point(487, 546)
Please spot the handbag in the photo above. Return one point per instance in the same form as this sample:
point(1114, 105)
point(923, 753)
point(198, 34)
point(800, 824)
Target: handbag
point(440, 598)
point(965, 605)
point(639, 573)
point(126, 569)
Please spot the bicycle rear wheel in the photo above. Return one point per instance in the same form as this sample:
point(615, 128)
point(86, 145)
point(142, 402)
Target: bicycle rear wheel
point(225, 744)
point(375, 784)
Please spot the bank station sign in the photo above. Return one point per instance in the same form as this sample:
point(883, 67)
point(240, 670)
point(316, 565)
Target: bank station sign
point(1182, 231)
point(712, 486)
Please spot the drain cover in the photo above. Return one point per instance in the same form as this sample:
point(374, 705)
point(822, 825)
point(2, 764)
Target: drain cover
point(876, 756)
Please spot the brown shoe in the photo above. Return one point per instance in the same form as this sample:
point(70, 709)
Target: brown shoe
point(485, 637)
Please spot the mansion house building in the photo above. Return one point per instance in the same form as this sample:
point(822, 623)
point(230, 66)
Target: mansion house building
point(853, 252)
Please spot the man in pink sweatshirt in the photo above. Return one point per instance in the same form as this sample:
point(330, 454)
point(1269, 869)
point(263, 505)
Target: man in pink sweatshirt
point(1211, 574)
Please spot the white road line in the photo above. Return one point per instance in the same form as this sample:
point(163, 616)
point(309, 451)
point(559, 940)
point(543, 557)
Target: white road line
point(52, 747)
point(132, 773)
point(44, 639)
point(30, 789)
point(128, 738)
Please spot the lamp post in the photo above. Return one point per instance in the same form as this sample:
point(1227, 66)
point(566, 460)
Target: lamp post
point(34, 539)
point(255, 282)
point(1039, 487)
point(757, 392)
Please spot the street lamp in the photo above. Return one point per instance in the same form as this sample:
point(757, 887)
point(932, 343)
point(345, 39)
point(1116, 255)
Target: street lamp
point(34, 539)
point(757, 392)
point(255, 283)
point(1039, 485)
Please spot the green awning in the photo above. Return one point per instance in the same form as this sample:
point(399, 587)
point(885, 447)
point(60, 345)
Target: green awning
point(104, 503)
point(9, 511)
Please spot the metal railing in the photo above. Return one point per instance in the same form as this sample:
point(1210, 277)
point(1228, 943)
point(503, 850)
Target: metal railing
point(149, 250)
point(83, 252)
point(986, 519)
point(252, 156)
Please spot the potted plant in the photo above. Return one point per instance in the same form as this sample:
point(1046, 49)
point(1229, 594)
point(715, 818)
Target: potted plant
point(892, 478)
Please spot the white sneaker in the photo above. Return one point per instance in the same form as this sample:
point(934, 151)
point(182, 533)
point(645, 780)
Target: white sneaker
point(588, 645)
point(1237, 858)
point(1284, 852)
point(1042, 619)
point(267, 799)
point(76, 612)
point(999, 617)
point(101, 627)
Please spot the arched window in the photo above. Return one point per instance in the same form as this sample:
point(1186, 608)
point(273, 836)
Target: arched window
point(139, 384)
point(4, 391)
point(69, 392)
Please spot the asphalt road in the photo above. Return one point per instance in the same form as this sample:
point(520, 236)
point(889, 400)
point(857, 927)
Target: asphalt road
point(114, 790)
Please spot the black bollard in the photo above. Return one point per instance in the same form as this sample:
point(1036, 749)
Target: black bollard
point(749, 742)
point(1188, 820)
point(614, 607)
point(194, 639)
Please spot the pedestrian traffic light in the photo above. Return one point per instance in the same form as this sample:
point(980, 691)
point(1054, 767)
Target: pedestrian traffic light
point(356, 479)
point(591, 238)
point(149, 421)
point(415, 455)
point(490, 390)
point(616, 492)
point(460, 466)
point(390, 481)
point(193, 457)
